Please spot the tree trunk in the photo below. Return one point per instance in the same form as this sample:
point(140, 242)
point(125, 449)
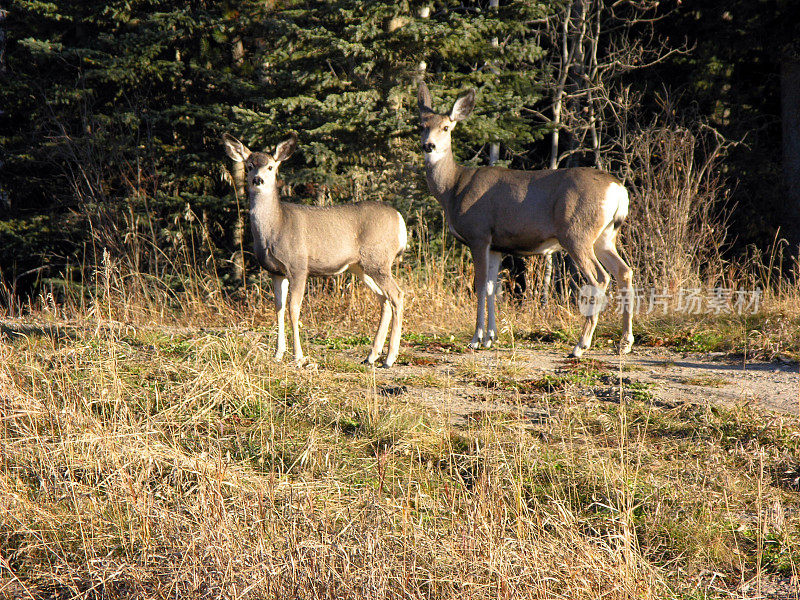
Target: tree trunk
point(516, 265)
point(576, 82)
point(237, 54)
point(494, 147)
point(790, 101)
point(238, 226)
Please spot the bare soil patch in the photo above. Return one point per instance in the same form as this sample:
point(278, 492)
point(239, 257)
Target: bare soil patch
point(669, 378)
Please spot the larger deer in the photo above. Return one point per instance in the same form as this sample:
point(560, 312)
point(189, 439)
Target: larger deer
point(294, 242)
point(494, 210)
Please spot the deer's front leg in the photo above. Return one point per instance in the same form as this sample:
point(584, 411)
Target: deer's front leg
point(280, 287)
point(492, 269)
point(480, 259)
point(297, 286)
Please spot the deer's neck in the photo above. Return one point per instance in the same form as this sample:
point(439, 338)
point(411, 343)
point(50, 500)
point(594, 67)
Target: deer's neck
point(265, 211)
point(442, 174)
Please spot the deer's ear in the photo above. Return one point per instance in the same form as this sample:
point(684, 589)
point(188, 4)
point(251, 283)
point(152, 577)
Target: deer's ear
point(285, 149)
point(463, 106)
point(235, 149)
point(424, 99)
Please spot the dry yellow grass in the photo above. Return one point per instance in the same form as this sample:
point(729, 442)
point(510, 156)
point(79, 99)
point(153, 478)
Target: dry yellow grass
point(139, 465)
point(152, 449)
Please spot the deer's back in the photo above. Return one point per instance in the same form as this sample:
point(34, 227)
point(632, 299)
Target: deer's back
point(521, 209)
point(333, 237)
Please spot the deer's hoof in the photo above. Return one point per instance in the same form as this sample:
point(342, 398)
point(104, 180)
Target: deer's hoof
point(625, 346)
point(373, 362)
point(577, 352)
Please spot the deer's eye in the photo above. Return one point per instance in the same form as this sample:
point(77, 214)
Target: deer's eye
point(446, 128)
point(269, 168)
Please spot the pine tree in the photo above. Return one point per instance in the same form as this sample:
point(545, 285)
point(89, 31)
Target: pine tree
point(114, 110)
point(343, 75)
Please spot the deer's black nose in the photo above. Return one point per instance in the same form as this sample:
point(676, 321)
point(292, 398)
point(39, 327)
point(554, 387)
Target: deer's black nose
point(428, 147)
point(257, 180)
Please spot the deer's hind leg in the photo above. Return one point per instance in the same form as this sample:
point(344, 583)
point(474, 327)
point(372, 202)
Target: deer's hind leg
point(592, 295)
point(386, 288)
point(395, 295)
point(386, 314)
point(492, 269)
point(297, 288)
point(606, 250)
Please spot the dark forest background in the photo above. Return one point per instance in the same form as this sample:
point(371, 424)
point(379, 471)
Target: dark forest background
point(112, 113)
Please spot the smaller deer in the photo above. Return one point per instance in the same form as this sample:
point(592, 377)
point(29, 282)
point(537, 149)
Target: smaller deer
point(294, 242)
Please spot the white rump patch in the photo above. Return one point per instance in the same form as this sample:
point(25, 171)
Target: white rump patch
point(616, 205)
point(402, 234)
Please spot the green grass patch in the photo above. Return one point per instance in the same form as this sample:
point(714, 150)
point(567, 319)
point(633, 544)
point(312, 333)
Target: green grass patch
point(433, 343)
point(340, 342)
point(706, 381)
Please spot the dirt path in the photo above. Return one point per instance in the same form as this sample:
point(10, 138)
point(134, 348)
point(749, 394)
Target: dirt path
point(684, 377)
point(500, 379)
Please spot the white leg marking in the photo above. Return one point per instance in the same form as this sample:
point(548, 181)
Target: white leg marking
point(548, 276)
point(383, 330)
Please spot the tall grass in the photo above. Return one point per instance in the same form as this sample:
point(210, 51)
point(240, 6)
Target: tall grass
point(188, 289)
point(160, 461)
point(153, 466)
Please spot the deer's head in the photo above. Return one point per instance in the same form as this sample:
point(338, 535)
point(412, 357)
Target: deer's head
point(261, 168)
point(437, 128)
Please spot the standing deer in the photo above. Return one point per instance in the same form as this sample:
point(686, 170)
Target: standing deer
point(293, 242)
point(494, 210)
